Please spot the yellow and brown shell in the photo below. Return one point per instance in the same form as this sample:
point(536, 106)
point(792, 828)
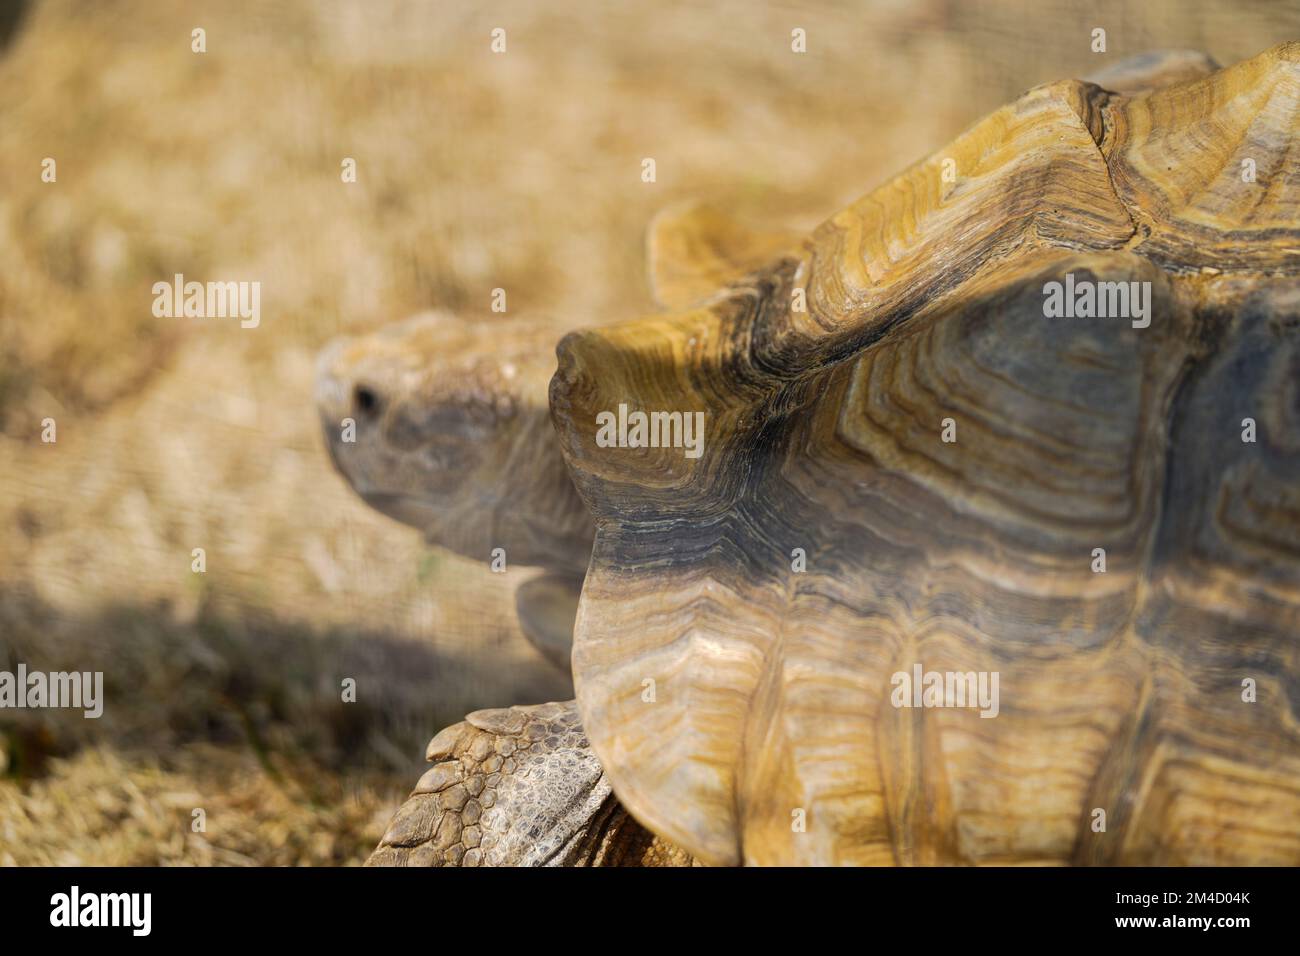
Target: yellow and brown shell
point(909, 462)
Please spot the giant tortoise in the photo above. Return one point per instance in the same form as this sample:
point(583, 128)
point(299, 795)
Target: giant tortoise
point(990, 551)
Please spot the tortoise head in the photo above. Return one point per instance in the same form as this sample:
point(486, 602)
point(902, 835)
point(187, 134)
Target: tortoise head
point(442, 424)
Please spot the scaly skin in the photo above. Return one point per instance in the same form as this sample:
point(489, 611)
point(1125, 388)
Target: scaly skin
point(518, 787)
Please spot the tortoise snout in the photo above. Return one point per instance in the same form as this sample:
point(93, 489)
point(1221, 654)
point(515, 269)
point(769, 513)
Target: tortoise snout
point(342, 393)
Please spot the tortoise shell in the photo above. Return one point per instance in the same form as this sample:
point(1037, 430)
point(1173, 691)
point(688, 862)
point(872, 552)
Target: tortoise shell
point(913, 465)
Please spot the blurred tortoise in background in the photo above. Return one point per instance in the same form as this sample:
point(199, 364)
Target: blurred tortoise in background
point(450, 428)
point(452, 435)
point(920, 460)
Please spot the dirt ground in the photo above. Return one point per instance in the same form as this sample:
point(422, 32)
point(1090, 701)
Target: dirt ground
point(476, 170)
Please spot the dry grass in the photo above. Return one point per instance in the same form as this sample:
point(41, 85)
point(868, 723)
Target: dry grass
point(476, 171)
point(98, 809)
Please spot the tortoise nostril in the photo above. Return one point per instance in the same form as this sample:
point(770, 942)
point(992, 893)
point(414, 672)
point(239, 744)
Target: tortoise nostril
point(365, 400)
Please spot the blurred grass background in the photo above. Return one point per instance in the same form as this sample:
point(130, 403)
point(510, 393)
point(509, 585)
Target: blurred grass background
point(476, 171)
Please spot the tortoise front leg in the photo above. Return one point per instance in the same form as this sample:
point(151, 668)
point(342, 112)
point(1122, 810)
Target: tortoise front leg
point(517, 786)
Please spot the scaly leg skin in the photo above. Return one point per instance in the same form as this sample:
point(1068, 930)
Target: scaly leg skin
point(518, 787)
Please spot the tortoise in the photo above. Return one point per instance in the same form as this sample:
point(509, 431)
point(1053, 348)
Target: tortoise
point(915, 465)
point(453, 437)
point(451, 429)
